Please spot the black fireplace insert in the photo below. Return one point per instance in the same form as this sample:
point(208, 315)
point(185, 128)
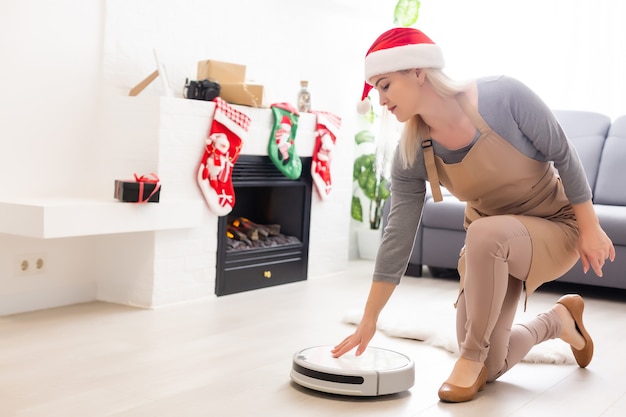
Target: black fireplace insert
point(264, 241)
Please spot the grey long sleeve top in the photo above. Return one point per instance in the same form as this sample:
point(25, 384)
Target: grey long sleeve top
point(519, 116)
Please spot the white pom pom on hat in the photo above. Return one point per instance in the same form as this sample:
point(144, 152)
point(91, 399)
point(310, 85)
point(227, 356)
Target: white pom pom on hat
point(398, 49)
point(364, 106)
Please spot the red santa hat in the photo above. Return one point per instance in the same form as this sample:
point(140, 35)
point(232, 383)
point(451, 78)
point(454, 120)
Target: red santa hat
point(398, 49)
point(285, 123)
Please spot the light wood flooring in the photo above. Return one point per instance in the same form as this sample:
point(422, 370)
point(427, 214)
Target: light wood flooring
point(232, 356)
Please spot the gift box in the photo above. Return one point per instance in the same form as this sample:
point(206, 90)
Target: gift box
point(222, 72)
point(144, 189)
point(241, 93)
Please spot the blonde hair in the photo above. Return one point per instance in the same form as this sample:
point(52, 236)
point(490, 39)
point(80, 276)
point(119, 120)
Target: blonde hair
point(415, 130)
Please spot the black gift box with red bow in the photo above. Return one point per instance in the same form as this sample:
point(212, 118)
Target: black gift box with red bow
point(144, 189)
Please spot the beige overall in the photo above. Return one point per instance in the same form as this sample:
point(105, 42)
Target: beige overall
point(503, 186)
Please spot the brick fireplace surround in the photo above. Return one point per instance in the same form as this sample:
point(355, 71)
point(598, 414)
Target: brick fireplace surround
point(152, 255)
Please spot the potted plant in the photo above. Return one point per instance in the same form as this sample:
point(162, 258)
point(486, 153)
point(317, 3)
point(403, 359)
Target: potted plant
point(369, 176)
point(370, 185)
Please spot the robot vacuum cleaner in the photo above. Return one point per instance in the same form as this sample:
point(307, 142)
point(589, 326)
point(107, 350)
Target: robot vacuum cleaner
point(376, 372)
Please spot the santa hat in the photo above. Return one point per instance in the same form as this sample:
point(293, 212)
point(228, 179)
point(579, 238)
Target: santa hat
point(398, 49)
point(285, 123)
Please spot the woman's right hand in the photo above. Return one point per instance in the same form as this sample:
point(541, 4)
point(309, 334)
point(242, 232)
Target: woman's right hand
point(379, 294)
point(360, 339)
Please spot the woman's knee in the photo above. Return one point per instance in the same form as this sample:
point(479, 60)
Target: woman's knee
point(504, 237)
point(494, 231)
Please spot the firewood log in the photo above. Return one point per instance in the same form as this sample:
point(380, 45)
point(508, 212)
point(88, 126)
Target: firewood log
point(273, 229)
point(237, 234)
point(262, 230)
point(247, 227)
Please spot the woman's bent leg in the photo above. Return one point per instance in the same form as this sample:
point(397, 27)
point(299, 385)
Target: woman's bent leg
point(504, 246)
point(495, 248)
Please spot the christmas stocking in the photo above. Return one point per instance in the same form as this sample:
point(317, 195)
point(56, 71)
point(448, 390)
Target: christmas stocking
point(281, 147)
point(222, 148)
point(326, 131)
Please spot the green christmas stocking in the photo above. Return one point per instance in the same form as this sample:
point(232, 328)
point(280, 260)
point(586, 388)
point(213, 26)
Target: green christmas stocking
point(281, 147)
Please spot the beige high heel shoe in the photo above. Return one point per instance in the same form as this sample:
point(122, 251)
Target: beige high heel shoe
point(454, 394)
point(575, 305)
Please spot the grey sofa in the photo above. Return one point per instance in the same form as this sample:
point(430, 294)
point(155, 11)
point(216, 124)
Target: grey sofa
point(601, 146)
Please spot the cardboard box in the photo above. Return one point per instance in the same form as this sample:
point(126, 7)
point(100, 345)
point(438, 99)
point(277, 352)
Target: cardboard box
point(222, 72)
point(241, 93)
point(129, 191)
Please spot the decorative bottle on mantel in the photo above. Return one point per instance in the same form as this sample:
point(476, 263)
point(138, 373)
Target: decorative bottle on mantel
point(304, 98)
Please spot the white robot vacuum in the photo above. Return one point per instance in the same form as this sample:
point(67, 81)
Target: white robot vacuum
point(376, 372)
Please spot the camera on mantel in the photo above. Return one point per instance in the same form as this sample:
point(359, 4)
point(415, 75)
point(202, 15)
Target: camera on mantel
point(201, 90)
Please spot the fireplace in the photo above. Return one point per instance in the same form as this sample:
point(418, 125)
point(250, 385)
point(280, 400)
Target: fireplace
point(265, 197)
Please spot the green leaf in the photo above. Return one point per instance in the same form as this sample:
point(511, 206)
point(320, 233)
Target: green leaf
point(406, 13)
point(383, 190)
point(356, 209)
point(360, 166)
point(364, 136)
point(364, 174)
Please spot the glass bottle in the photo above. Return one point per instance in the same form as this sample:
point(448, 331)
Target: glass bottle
point(304, 98)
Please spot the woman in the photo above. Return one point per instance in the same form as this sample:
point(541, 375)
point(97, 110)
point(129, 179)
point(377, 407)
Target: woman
point(491, 143)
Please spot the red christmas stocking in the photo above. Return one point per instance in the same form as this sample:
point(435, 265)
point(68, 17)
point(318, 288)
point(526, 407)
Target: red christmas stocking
point(326, 131)
point(223, 145)
point(281, 147)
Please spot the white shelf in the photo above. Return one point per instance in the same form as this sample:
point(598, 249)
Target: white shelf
point(71, 217)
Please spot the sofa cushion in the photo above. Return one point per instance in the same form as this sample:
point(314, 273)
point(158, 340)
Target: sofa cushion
point(447, 214)
point(613, 221)
point(587, 131)
point(610, 187)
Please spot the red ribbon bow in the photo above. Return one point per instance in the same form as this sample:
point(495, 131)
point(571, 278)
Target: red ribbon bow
point(151, 178)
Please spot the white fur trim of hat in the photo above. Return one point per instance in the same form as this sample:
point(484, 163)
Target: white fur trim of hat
point(398, 49)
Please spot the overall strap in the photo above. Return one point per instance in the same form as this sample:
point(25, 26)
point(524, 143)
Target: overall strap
point(427, 144)
point(431, 169)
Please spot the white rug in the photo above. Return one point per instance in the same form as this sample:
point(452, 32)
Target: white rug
point(438, 330)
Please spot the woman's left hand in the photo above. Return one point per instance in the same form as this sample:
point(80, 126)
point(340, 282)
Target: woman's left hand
point(595, 247)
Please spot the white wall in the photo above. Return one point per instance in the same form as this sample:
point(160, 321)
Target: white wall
point(51, 60)
point(280, 41)
point(58, 59)
point(51, 54)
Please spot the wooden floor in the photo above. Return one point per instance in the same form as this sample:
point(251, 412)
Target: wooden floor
point(232, 357)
